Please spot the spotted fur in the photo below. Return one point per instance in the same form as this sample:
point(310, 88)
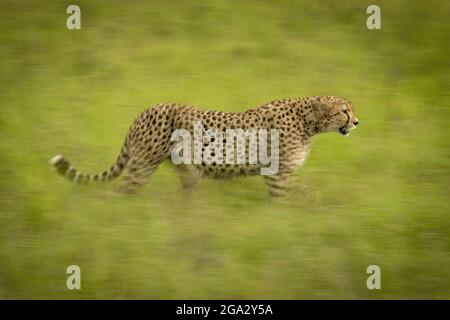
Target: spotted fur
point(148, 141)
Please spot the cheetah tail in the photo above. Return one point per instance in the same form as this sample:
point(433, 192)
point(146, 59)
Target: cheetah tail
point(64, 168)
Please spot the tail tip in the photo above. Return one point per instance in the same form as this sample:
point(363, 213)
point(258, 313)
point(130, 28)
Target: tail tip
point(56, 160)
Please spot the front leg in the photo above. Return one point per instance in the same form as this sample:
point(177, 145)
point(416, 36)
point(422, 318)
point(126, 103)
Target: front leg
point(291, 157)
point(279, 183)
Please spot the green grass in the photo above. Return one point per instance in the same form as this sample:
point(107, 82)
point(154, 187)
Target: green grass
point(379, 197)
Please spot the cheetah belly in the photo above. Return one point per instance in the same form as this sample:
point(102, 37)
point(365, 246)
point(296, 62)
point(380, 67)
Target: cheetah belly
point(225, 171)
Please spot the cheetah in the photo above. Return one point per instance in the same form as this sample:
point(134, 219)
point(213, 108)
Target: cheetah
point(148, 142)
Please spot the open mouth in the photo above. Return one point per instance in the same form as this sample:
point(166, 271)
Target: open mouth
point(344, 131)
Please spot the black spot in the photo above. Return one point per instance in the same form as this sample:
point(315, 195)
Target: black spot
point(63, 167)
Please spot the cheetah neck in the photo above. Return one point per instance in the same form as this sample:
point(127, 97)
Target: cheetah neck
point(309, 117)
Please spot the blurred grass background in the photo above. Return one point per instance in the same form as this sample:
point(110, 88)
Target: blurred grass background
point(379, 197)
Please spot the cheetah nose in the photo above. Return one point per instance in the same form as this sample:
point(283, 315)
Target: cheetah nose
point(355, 122)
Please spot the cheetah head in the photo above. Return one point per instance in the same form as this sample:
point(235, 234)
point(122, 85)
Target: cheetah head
point(336, 114)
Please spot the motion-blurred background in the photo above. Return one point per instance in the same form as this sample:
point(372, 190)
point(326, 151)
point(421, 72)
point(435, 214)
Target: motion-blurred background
point(378, 197)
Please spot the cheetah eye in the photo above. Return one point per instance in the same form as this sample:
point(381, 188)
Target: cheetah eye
point(345, 111)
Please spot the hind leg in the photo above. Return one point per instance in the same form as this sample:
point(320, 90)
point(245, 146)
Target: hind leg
point(189, 176)
point(139, 173)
